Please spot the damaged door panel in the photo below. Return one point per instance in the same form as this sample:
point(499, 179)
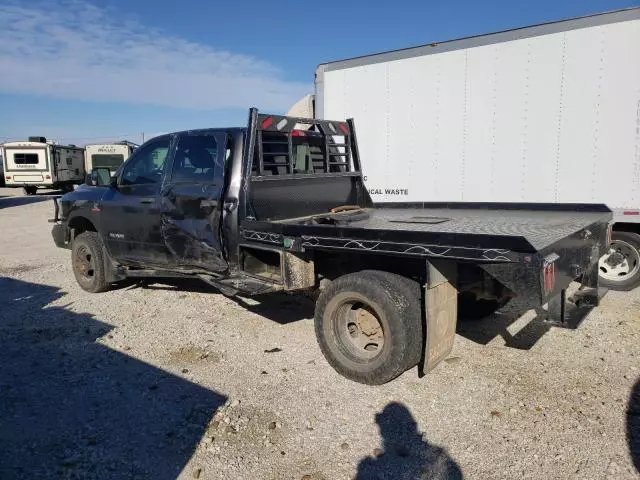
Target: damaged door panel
point(130, 214)
point(192, 202)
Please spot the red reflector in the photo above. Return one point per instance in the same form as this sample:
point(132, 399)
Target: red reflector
point(267, 122)
point(549, 277)
point(298, 133)
point(48, 177)
point(8, 178)
point(344, 128)
point(631, 213)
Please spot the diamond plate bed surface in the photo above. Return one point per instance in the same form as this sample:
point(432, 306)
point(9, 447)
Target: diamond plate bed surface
point(539, 228)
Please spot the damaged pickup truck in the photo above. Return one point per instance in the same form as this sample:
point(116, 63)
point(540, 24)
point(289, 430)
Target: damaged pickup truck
point(281, 206)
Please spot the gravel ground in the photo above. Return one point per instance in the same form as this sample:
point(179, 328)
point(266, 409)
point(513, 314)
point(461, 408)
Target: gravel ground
point(175, 381)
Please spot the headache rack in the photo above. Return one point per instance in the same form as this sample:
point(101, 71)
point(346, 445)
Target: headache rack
point(302, 146)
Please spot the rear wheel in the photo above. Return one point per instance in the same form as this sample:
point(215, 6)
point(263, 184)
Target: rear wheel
point(30, 190)
point(87, 258)
point(369, 326)
point(620, 266)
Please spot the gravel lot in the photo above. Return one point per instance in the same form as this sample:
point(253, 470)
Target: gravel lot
point(175, 381)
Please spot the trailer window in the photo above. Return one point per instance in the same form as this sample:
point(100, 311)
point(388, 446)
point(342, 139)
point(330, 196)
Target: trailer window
point(106, 160)
point(25, 158)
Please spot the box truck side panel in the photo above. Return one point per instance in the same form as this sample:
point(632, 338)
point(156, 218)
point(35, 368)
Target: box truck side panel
point(352, 90)
point(599, 117)
point(546, 117)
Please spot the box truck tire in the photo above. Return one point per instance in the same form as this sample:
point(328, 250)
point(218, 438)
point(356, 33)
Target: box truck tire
point(620, 266)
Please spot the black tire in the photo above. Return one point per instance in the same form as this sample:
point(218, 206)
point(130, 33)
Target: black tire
point(390, 300)
point(87, 260)
point(472, 308)
point(631, 280)
point(30, 190)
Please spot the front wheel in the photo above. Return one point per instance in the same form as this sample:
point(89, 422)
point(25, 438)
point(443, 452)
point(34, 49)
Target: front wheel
point(87, 259)
point(620, 265)
point(369, 326)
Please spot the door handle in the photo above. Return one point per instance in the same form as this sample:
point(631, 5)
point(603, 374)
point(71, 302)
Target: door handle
point(147, 200)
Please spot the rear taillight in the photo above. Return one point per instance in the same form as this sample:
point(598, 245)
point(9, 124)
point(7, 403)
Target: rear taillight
point(549, 273)
point(8, 177)
point(48, 177)
point(267, 122)
point(298, 133)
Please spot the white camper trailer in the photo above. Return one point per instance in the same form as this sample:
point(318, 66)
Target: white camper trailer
point(40, 163)
point(107, 155)
point(548, 113)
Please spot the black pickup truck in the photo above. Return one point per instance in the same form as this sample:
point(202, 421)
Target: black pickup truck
point(281, 206)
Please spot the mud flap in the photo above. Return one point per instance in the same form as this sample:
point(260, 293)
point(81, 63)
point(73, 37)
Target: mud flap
point(441, 313)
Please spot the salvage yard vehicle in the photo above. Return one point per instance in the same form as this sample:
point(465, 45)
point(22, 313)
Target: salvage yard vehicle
point(41, 163)
point(281, 206)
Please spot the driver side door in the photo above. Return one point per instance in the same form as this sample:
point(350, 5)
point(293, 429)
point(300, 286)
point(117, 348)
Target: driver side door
point(130, 216)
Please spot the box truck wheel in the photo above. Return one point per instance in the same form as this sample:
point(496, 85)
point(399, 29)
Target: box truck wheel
point(30, 190)
point(620, 266)
point(87, 259)
point(369, 325)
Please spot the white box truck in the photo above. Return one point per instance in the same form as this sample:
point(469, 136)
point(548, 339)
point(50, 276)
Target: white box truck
point(40, 163)
point(548, 113)
point(107, 155)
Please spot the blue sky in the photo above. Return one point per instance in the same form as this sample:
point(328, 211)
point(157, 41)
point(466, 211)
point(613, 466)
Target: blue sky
point(81, 71)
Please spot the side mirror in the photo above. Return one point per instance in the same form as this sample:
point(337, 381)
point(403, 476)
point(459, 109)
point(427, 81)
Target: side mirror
point(101, 177)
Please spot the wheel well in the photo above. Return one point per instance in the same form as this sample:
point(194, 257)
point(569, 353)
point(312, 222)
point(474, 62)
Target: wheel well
point(81, 224)
point(627, 227)
point(332, 265)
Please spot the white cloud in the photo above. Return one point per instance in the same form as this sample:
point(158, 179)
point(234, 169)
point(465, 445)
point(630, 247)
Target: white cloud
point(72, 49)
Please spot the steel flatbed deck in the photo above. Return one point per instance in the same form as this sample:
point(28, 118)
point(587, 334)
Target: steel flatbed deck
point(482, 232)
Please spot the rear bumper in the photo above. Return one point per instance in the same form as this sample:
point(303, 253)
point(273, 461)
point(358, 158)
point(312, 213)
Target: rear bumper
point(61, 235)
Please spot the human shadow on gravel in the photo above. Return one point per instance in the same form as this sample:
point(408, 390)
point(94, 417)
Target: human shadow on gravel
point(405, 455)
point(71, 407)
point(633, 424)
